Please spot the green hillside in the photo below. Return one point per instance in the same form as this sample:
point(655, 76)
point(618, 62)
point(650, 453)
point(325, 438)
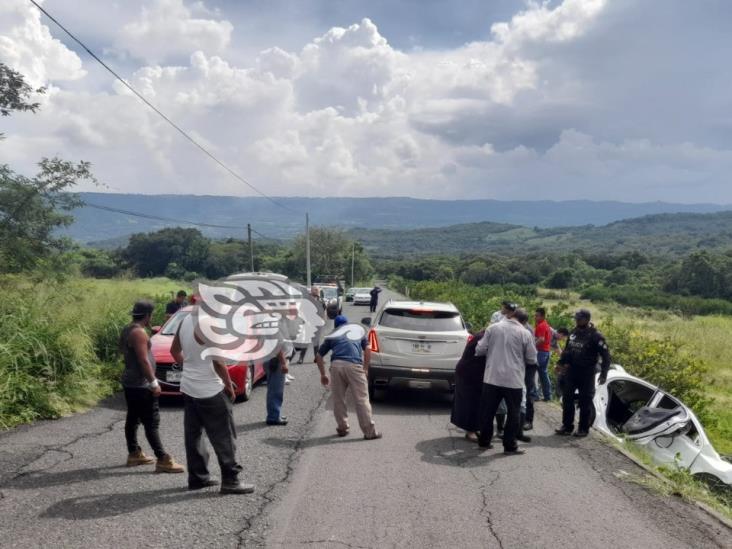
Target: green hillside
point(655, 234)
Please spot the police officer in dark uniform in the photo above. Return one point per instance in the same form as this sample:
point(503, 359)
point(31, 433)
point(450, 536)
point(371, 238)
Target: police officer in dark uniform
point(579, 362)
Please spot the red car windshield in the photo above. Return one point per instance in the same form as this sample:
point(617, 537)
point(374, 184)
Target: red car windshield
point(171, 327)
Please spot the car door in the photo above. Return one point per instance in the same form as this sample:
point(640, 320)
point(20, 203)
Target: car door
point(677, 438)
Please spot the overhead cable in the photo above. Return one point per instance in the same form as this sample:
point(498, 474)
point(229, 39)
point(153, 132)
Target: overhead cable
point(159, 112)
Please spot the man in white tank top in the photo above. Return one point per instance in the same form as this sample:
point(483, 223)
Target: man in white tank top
point(208, 394)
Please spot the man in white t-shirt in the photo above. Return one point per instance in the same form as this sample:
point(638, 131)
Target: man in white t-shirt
point(208, 394)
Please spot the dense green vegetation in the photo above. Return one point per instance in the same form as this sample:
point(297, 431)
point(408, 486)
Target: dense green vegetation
point(59, 352)
point(661, 234)
point(698, 283)
point(186, 254)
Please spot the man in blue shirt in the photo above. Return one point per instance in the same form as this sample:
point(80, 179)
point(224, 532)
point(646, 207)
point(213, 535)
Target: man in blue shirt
point(349, 366)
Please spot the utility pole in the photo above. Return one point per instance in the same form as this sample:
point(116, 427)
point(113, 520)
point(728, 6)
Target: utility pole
point(307, 249)
point(353, 263)
point(251, 247)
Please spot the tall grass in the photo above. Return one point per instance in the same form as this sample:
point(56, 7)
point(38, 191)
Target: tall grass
point(58, 351)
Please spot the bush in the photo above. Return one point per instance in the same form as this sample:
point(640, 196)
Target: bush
point(634, 296)
point(661, 361)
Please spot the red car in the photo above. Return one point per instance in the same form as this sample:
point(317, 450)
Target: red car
point(244, 374)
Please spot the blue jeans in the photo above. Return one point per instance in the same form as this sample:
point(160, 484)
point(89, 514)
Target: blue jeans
point(275, 389)
point(542, 358)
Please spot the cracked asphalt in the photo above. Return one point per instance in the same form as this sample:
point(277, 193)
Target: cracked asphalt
point(64, 484)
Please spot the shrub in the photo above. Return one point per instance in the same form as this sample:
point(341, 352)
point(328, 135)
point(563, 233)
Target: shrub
point(661, 361)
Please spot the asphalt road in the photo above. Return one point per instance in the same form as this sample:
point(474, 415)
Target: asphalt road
point(64, 484)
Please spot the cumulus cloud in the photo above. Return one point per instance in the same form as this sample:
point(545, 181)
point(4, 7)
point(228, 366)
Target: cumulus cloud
point(170, 28)
point(570, 99)
point(26, 45)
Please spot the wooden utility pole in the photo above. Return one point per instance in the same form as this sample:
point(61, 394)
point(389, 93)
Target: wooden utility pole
point(353, 263)
point(251, 246)
point(307, 250)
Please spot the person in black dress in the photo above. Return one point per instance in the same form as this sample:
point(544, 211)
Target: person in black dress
point(468, 386)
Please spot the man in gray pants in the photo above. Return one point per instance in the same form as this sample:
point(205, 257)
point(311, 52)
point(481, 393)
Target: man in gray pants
point(208, 394)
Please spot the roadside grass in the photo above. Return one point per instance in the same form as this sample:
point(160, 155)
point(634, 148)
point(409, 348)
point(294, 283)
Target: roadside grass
point(676, 481)
point(58, 354)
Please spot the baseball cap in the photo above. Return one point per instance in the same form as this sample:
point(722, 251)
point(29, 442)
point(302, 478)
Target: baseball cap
point(582, 314)
point(340, 320)
point(509, 305)
point(142, 308)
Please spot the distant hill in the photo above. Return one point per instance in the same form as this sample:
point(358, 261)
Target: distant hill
point(98, 225)
point(657, 234)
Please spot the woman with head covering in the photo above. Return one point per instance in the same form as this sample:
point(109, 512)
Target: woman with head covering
point(468, 386)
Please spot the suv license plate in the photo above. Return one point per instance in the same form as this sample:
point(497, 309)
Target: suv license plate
point(421, 347)
point(173, 376)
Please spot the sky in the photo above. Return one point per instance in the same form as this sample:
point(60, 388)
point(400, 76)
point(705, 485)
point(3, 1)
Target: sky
point(625, 100)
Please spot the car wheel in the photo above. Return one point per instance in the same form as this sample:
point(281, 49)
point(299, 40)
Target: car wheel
point(715, 484)
point(248, 386)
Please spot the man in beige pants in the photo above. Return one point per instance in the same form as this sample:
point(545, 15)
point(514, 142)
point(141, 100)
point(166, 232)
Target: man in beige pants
point(348, 368)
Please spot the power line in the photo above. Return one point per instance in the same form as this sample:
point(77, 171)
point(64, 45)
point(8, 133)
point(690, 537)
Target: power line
point(159, 218)
point(159, 112)
point(173, 219)
point(267, 237)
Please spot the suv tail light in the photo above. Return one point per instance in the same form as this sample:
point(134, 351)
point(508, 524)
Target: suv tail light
point(373, 341)
point(471, 337)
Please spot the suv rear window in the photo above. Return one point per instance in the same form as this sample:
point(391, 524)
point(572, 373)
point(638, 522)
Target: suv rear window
point(422, 320)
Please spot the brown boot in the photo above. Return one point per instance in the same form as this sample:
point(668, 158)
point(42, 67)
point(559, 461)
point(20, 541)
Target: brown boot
point(167, 464)
point(138, 458)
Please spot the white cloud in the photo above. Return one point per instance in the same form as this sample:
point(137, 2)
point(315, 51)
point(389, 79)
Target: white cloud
point(169, 28)
point(26, 45)
point(555, 103)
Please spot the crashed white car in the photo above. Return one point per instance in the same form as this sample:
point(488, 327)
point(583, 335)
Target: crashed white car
point(631, 408)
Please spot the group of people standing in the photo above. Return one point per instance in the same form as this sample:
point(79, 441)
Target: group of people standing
point(496, 377)
point(208, 395)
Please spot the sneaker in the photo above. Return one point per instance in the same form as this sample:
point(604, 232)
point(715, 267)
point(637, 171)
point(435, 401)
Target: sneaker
point(342, 432)
point(375, 435)
point(138, 458)
point(288, 379)
point(237, 488)
point(528, 426)
point(299, 361)
point(581, 433)
point(514, 452)
point(200, 485)
point(563, 432)
point(167, 464)
point(281, 421)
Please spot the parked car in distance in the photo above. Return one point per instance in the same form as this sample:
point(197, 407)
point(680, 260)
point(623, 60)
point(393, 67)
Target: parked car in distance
point(362, 296)
point(630, 407)
point(330, 294)
point(243, 374)
point(350, 292)
point(415, 344)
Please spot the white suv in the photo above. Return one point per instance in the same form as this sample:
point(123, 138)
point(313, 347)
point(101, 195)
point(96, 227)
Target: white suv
point(415, 344)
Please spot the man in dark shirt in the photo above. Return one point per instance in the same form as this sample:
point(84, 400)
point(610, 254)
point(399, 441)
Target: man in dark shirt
point(142, 391)
point(178, 303)
point(374, 298)
point(578, 363)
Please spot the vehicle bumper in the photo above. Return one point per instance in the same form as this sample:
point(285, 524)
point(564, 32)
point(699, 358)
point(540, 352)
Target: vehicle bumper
point(400, 376)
